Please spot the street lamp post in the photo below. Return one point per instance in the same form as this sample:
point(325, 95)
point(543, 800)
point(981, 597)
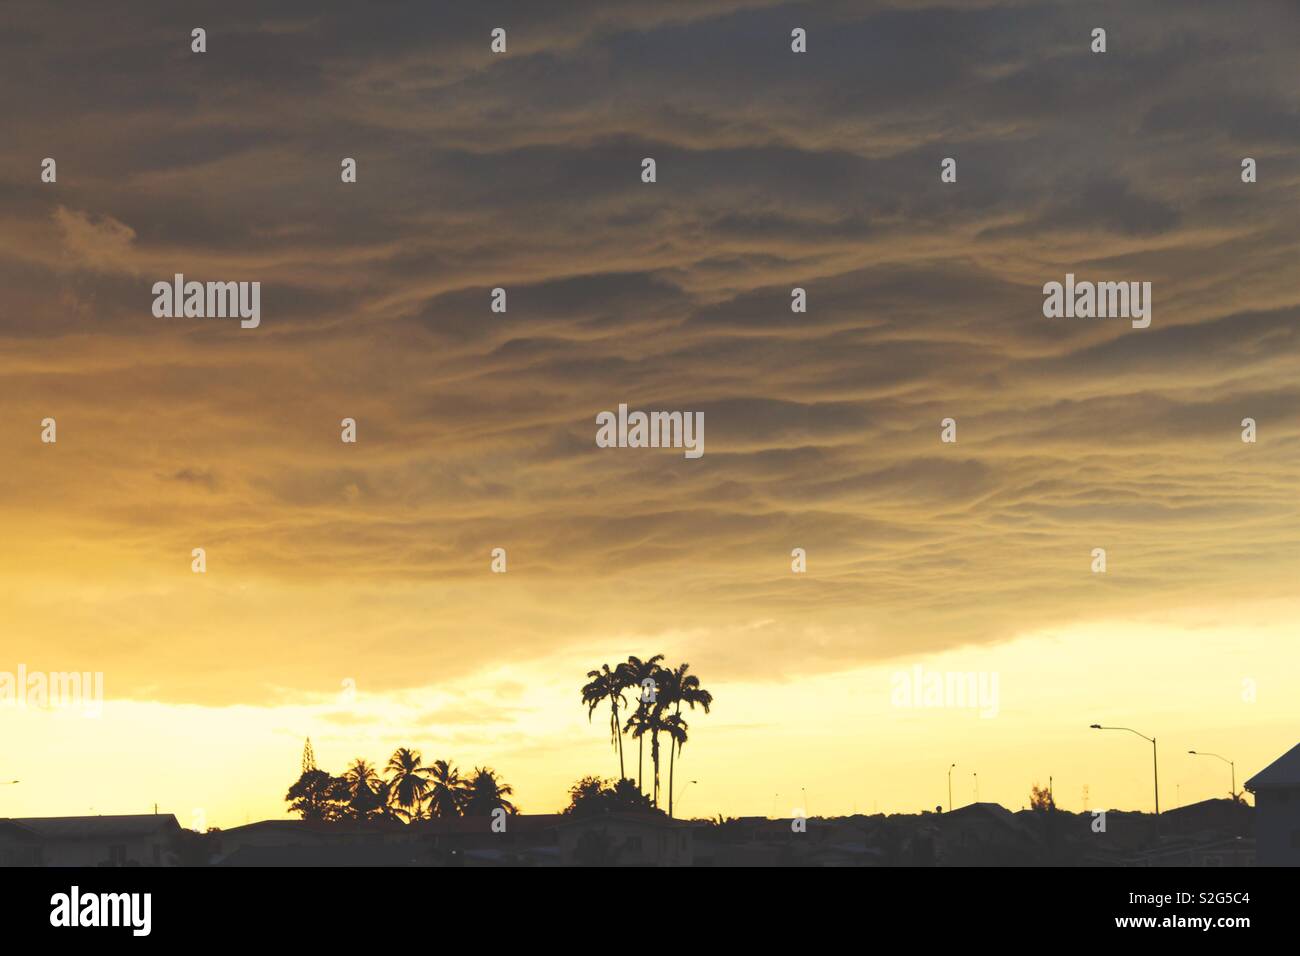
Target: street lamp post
point(1155, 764)
point(1233, 766)
point(950, 787)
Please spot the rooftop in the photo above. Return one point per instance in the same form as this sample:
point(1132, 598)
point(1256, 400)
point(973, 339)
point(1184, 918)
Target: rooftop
point(72, 828)
point(1282, 772)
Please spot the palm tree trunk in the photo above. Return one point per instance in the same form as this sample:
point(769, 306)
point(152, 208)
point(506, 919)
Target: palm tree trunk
point(618, 729)
point(672, 762)
point(654, 758)
point(640, 763)
point(672, 759)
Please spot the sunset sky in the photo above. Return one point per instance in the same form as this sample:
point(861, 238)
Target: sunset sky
point(333, 566)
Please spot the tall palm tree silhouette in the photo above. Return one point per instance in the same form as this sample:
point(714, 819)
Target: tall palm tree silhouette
point(675, 726)
point(678, 687)
point(637, 673)
point(606, 684)
point(446, 790)
point(407, 781)
point(486, 792)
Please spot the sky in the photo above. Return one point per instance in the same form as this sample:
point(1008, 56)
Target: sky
point(348, 594)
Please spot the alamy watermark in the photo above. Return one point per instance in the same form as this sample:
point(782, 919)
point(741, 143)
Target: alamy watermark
point(651, 430)
point(53, 690)
point(74, 908)
point(208, 300)
point(959, 689)
point(1100, 300)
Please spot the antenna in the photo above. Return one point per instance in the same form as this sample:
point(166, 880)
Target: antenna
point(308, 757)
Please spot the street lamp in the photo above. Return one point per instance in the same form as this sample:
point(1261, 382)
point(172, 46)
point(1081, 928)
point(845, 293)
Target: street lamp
point(1155, 764)
point(1233, 791)
point(950, 787)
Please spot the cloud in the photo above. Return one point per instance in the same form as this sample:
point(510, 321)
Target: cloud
point(476, 429)
point(101, 244)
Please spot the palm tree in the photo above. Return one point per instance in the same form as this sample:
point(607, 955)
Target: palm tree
point(384, 800)
point(446, 793)
point(678, 687)
point(408, 783)
point(486, 792)
point(362, 786)
point(360, 774)
point(606, 684)
point(674, 725)
point(637, 672)
point(649, 719)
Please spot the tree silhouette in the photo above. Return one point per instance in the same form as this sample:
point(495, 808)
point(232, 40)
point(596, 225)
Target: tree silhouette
point(649, 719)
point(446, 794)
point(592, 796)
point(411, 791)
point(679, 687)
point(626, 795)
point(637, 673)
point(384, 803)
point(585, 794)
point(363, 785)
point(1040, 798)
point(606, 684)
point(486, 792)
point(317, 797)
point(407, 782)
point(674, 725)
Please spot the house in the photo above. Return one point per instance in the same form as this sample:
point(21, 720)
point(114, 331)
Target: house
point(519, 840)
point(1277, 810)
point(1218, 814)
point(756, 842)
point(19, 845)
point(341, 854)
point(131, 840)
point(986, 834)
point(259, 841)
point(626, 839)
point(522, 839)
